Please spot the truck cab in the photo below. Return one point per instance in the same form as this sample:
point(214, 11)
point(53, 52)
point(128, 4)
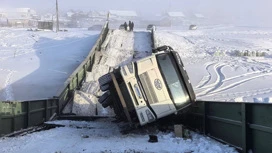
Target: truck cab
point(153, 87)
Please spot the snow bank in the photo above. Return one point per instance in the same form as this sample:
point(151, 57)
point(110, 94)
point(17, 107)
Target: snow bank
point(104, 136)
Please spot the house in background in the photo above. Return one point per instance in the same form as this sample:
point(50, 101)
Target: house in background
point(117, 17)
point(172, 19)
point(200, 18)
point(18, 17)
point(122, 15)
point(97, 17)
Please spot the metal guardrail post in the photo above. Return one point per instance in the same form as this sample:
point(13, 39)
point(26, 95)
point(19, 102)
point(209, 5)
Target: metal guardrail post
point(1, 118)
point(46, 110)
point(77, 80)
point(13, 116)
point(28, 114)
point(244, 127)
point(205, 126)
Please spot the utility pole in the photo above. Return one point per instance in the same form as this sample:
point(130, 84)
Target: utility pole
point(57, 16)
point(108, 16)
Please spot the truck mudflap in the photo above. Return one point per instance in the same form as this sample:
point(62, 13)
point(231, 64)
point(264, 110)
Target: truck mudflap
point(121, 97)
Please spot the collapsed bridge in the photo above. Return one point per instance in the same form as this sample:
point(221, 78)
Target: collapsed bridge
point(247, 126)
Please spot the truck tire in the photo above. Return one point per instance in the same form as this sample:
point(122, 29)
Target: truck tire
point(104, 97)
point(105, 87)
point(105, 79)
point(107, 102)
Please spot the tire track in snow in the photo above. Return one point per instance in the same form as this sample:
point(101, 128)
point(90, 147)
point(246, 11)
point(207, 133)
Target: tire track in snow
point(211, 85)
point(242, 75)
point(206, 78)
point(233, 85)
point(244, 94)
point(218, 83)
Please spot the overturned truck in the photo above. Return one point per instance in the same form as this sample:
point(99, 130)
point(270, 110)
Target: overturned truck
point(146, 90)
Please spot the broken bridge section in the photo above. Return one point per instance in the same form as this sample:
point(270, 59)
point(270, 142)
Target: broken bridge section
point(119, 48)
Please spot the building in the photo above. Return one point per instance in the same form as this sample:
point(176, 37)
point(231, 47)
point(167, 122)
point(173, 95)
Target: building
point(172, 19)
point(122, 15)
point(18, 17)
point(118, 17)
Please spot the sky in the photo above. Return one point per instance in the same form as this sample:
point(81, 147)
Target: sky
point(249, 10)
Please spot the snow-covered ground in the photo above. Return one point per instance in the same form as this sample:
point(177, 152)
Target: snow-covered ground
point(217, 71)
point(34, 65)
point(103, 136)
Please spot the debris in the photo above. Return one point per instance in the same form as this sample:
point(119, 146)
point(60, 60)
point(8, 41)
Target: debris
point(182, 132)
point(179, 130)
point(85, 136)
point(153, 138)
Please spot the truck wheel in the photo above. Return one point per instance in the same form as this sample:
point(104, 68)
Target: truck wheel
point(104, 87)
point(107, 102)
point(104, 97)
point(105, 79)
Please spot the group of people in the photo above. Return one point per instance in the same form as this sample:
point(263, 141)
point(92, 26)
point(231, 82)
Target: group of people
point(129, 26)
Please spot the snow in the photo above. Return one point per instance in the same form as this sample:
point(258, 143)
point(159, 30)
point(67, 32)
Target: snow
point(209, 55)
point(39, 60)
point(104, 136)
point(215, 70)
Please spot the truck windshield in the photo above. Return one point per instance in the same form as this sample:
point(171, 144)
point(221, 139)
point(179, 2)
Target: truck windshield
point(172, 78)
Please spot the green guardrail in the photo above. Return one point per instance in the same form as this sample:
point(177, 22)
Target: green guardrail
point(246, 126)
point(16, 116)
point(75, 80)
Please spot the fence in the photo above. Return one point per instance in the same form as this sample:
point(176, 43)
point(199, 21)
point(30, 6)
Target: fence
point(246, 126)
point(45, 25)
point(15, 116)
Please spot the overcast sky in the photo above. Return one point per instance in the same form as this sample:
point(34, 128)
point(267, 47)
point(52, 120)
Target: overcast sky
point(234, 9)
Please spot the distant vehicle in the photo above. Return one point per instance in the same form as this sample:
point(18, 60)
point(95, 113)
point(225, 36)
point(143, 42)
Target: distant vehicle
point(122, 27)
point(192, 27)
point(150, 27)
point(146, 90)
point(95, 27)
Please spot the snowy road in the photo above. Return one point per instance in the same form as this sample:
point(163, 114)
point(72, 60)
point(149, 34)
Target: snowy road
point(34, 65)
point(215, 70)
point(103, 136)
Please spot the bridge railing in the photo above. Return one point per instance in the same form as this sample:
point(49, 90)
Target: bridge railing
point(247, 126)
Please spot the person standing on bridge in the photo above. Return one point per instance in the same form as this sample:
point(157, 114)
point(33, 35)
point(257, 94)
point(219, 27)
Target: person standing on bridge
point(132, 26)
point(129, 25)
point(125, 25)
